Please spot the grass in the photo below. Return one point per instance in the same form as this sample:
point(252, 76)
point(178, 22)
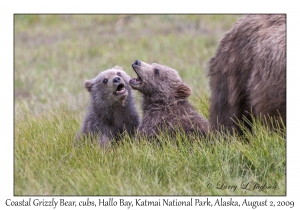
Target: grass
point(55, 54)
point(48, 163)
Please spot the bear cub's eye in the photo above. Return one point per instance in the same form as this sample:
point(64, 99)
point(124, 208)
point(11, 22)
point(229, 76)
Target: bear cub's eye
point(156, 71)
point(119, 74)
point(105, 81)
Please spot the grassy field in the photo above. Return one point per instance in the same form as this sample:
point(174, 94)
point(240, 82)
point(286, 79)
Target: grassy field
point(55, 54)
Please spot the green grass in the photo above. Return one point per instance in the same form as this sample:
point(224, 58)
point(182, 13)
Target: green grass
point(55, 54)
point(47, 161)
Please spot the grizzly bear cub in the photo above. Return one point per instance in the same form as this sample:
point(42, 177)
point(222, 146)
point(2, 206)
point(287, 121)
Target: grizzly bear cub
point(248, 73)
point(165, 104)
point(112, 110)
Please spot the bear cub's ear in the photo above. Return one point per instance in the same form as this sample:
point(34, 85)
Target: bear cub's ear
point(118, 67)
point(183, 91)
point(88, 85)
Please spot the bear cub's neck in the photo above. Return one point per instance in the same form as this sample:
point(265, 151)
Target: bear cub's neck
point(163, 103)
point(116, 109)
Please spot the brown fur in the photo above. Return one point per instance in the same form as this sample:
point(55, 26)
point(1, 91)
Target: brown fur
point(109, 113)
point(165, 101)
point(248, 72)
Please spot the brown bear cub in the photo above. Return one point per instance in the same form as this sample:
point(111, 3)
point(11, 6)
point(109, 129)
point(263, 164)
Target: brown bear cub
point(112, 110)
point(165, 104)
point(248, 73)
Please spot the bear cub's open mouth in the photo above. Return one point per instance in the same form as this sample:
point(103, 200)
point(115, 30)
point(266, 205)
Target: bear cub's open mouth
point(135, 81)
point(120, 89)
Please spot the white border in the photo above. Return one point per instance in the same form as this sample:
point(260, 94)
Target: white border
point(9, 8)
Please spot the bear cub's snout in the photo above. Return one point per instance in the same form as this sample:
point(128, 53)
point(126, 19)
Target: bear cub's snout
point(137, 63)
point(117, 80)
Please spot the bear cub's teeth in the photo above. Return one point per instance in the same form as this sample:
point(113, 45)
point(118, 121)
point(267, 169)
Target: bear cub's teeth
point(135, 81)
point(120, 89)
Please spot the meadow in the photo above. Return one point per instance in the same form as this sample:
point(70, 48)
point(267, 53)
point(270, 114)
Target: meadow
point(55, 54)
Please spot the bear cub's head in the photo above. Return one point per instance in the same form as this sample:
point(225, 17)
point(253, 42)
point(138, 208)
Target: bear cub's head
point(109, 87)
point(155, 80)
